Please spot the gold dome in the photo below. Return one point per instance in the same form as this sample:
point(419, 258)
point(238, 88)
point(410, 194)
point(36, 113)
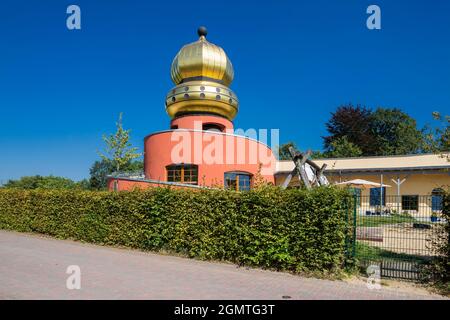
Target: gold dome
point(202, 73)
point(202, 60)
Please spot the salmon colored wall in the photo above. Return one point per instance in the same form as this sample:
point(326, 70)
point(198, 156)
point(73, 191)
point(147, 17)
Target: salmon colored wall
point(214, 152)
point(242, 154)
point(129, 185)
point(189, 122)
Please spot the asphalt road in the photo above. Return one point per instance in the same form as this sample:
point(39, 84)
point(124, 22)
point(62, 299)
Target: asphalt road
point(34, 267)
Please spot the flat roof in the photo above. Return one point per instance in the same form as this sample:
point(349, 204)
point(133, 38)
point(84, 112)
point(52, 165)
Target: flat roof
point(387, 163)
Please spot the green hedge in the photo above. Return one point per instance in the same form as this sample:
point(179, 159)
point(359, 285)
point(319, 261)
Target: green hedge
point(295, 230)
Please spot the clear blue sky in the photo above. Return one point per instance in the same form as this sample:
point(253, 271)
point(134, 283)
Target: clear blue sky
point(295, 62)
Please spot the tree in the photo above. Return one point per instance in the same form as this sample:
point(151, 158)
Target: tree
point(437, 139)
point(99, 172)
point(353, 123)
point(342, 148)
point(284, 153)
point(119, 152)
point(135, 166)
point(387, 131)
point(317, 154)
point(395, 133)
point(42, 182)
point(283, 150)
point(83, 184)
point(101, 169)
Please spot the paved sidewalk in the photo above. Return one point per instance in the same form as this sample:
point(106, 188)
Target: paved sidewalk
point(34, 267)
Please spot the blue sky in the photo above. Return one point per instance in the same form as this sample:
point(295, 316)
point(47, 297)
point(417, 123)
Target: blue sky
point(295, 62)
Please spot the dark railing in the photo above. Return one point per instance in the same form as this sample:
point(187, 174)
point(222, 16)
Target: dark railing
point(396, 233)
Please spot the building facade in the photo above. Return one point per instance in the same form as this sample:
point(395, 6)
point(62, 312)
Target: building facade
point(200, 149)
point(413, 181)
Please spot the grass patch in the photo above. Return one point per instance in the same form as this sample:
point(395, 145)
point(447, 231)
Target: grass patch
point(371, 253)
point(375, 221)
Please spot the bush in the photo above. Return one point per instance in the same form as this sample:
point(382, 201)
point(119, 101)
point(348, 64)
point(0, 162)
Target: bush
point(293, 230)
point(439, 269)
point(45, 182)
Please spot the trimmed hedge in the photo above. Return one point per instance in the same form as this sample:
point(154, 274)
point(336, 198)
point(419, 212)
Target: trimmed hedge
point(294, 230)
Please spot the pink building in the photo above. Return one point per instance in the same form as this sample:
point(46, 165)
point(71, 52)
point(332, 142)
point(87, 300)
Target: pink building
point(200, 148)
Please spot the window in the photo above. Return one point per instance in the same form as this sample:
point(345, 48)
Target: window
point(213, 127)
point(183, 173)
point(237, 181)
point(410, 203)
point(115, 185)
point(436, 199)
point(375, 196)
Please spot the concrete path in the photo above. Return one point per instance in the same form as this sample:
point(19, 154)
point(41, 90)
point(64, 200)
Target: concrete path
point(34, 267)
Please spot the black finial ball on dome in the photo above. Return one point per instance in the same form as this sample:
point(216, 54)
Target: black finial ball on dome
point(202, 31)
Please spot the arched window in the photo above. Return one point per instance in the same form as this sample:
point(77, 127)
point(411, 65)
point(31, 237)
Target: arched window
point(182, 173)
point(437, 196)
point(239, 181)
point(213, 127)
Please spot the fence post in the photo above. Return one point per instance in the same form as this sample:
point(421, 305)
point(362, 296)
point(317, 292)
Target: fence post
point(354, 226)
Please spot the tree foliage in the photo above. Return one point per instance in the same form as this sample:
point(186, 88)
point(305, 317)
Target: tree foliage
point(101, 169)
point(283, 150)
point(353, 123)
point(119, 151)
point(339, 148)
point(385, 131)
point(44, 182)
point(395, 133)
point(437, 138)
point(342, 148)
point(99, 172)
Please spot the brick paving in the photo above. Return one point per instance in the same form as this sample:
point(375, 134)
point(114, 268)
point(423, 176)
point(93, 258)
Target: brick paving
point(34, 267)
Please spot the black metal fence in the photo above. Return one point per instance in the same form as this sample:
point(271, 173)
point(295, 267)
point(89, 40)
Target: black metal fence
point(395, 233)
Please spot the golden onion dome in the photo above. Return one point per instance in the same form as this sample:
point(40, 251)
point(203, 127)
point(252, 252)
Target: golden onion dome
point(202, 60)
point(202, 73)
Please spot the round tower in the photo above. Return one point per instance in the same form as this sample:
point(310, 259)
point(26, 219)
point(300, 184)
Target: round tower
point(201, 147)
